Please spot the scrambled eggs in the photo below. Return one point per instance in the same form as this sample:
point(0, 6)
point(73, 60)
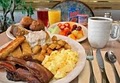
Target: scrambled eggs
point(61, 62)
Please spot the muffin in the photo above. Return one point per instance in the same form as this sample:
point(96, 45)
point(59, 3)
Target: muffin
point(37, 25)
point(26, 21)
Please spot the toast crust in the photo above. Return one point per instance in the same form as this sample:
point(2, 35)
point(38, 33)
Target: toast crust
point(4, 52)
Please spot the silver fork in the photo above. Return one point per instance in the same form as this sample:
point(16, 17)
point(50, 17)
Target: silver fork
point(90, 57)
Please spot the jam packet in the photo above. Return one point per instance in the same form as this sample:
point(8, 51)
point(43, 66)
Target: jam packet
point(82, 19)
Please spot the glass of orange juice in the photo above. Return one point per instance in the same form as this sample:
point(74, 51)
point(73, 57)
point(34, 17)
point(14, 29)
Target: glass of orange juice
point(54, 15)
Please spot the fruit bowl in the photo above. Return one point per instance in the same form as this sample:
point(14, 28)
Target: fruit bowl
point(73, 30)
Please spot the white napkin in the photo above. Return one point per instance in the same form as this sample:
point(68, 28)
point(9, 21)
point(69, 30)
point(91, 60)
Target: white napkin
point(85, 74)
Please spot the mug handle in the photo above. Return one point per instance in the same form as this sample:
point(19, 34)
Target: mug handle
point(114, 33)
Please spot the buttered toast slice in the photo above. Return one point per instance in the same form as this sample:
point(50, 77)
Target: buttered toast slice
point(4, 52)
point(26, 49)
point(17, 53)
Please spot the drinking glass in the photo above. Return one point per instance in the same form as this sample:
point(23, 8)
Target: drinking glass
point(54, 16)
point(42, 14)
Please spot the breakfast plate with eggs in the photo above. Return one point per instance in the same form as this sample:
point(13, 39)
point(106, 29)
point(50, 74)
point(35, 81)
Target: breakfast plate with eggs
point(72, 30)
point(76, 53)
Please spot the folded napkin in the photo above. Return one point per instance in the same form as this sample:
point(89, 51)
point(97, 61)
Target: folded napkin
point(85, 74)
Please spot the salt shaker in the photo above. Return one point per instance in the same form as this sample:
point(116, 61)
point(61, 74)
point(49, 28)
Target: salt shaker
point(108, 15)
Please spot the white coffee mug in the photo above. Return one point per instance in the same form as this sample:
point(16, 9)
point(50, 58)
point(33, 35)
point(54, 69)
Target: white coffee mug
point(99, 29)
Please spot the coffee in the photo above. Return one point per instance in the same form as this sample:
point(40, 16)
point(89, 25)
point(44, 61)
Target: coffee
point(101, 19)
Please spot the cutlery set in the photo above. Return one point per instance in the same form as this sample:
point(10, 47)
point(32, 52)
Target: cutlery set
point(100, 62)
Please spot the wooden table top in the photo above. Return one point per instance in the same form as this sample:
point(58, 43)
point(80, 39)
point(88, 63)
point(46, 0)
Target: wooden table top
point(112, 45)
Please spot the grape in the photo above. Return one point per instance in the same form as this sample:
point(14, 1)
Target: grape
point(78, 28)
point(74, 27)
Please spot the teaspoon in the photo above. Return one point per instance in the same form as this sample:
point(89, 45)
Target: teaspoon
point(111, 58)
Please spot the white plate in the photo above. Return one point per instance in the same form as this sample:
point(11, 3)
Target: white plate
point(85, 31)
point(70, 76)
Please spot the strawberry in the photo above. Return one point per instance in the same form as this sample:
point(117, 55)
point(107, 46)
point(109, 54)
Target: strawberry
point(62, 33)
point(62, 27)
point(67, 31)
point(59, 24)
point(67, 25)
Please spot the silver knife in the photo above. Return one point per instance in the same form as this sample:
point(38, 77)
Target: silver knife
point(101, 66)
